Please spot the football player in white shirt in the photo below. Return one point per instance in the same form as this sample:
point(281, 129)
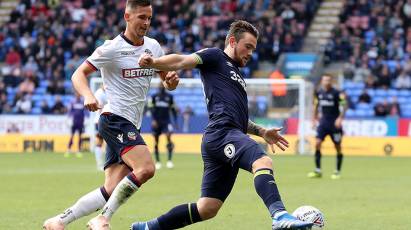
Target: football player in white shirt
point(101, 97)
point(128, 160)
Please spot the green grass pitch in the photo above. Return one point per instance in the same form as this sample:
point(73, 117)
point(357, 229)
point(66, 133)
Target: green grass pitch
point(374, 192)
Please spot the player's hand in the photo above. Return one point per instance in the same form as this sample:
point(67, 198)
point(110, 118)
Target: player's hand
point(315, 123)
point(338, 123)
point(172, 79)
point(145, 60)
point(91, 103)
point(273, 137)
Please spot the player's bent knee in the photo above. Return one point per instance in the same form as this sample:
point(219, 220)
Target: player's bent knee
point(208, 208)
point(263, 162)
point(145, 173)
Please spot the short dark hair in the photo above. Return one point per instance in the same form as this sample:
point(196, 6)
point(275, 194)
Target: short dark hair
point(330, 75)
point(238, 27)
point(132, 4)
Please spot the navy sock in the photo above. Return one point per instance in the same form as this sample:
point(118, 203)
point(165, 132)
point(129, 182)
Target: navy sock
point(178, 217)
point(170, 147)
point(340, 157)
point(267, 189)
point(156, 153)
point(318, 159)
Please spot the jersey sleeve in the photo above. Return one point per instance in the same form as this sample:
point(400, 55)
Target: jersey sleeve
point(207, 57)
point(101, 56)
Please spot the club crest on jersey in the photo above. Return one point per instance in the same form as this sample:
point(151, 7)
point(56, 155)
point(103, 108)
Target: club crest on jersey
point(137, 72)
point(131, 136)
point(147, 51)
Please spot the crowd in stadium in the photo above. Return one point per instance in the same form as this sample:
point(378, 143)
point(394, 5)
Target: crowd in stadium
point(374, 39)
point(44, 43)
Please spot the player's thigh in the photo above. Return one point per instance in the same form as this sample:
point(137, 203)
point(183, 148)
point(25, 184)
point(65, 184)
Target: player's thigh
point(113, 175)
point(322, 132)
point(336, 135)
point(138, 157)
point(241, 150)
point(218, 178)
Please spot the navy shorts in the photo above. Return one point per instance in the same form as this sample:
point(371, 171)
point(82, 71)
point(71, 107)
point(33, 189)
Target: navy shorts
point(224, 152)
point(78, 128)
point(119, 134)
point(162, 127)
point(328, 128)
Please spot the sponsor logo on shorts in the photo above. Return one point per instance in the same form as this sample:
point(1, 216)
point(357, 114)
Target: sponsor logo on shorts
point(120, 137)
point(137, 72)
point(131, 136)
point(229, 150)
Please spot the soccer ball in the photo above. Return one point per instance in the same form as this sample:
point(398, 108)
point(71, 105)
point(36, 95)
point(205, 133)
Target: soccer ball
point(310, 214)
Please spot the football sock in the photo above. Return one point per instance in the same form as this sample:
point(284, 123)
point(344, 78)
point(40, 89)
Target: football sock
point(87, 204)
point(340, 157)
point(170, 147)
point(178, 217)
point(267, 189)
point(156, 153)
point(127, 186)
point(318, 160)
point(99, 156)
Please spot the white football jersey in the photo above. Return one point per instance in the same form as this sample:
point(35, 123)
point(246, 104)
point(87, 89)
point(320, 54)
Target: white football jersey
point(101, 97)
point(126, 84)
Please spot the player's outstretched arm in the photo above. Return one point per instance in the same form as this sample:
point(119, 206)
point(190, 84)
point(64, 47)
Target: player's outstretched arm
point(80, 84)
point(271, 136)
point(171, 62)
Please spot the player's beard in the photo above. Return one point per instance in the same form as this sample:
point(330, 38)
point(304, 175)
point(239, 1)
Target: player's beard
point(238, 58)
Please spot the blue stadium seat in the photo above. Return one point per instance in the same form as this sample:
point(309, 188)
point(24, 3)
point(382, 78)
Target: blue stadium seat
point(40, 90)
point(350, 113)
point(404, 93)
point(381, 93)
point(393, 92)
point(36, 110)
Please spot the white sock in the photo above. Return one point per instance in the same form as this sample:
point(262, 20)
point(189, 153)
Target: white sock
point(120, 195)
point(87, 204)
point(99, 156)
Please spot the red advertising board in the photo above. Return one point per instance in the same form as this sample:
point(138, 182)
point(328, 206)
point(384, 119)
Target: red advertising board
point(404, 128)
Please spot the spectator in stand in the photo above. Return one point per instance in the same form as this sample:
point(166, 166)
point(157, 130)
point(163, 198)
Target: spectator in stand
point(394, 108)
point(403, 81)
point(56, 86)
point(24, 104)
point(384, 78)
point(45, 109)
point(27, 86)
point(370, 82)
point(58, 107)
point(381, 109)
point(13, 57)
point(364, 97)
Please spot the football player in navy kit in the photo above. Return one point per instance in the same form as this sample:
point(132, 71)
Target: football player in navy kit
point(226, 147)
point(161, 105)
point(329, 111)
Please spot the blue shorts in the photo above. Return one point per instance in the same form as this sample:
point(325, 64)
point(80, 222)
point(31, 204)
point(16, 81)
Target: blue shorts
point(328, 128)
point(78, 128)
point(162, 127)
point(120, 135)
point(224, 152)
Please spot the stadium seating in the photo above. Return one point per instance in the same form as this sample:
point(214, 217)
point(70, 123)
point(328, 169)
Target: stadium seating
point(265, 14)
